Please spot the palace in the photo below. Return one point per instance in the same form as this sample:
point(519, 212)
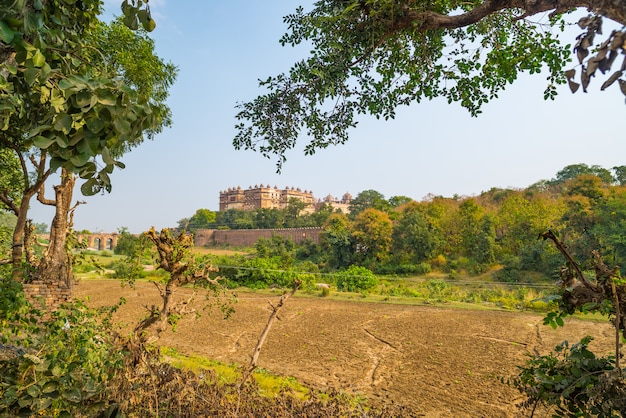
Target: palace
point(258, 197)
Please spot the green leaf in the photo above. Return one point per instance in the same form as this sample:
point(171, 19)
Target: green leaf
point(88, 170)
point(38, 59)
point(106, 156)
point(32, 21)
point(31, 75)
point(6, 33)
point(104, 178)
point(143, 16)
point(55, 163)
point(106, 97)
point(57, 370)
point(33, 391)
point(80, 160)
point(42, 142)
point(66, 84)
point(50, 386)
point(76, 137)
point(83, 98)
point(90, 187)
point(94, 125)
point(559, 321)
point(62, 141)
point(131, 21)
point(73, 395)
point(63, 123)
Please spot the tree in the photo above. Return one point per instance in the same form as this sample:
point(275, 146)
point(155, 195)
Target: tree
point(202, 219)
point(269, 218)
point(175, 257)
point(397, 201)
point(337, 240)
point(356, 279)
point(610, 228)
point(73, 101)
point(130, 245)
point(572, 171)
point(321, 215)
point(372, 234)
point(620, 174)
point(368, 199)
point(370, 57)
point(293, 210)
point(414, 237)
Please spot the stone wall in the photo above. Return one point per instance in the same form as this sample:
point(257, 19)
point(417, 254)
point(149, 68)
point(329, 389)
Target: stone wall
point(248, 237)
point(47, 295)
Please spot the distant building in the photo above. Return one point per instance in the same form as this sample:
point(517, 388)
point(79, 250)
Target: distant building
point(342, 204)
point(258, 197)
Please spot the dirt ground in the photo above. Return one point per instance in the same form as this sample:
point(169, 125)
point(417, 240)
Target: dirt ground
point(441, 362)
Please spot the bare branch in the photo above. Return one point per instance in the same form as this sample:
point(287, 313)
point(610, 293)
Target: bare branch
point(266, 330)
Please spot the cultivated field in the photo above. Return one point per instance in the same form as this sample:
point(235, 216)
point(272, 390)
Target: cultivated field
point(442, 362)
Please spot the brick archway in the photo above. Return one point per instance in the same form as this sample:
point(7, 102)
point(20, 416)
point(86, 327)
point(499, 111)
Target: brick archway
point(99, 241)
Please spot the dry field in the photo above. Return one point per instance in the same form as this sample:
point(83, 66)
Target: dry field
point(441, 362)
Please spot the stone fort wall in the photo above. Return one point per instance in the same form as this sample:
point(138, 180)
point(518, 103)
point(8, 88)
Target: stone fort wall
point(248, 237)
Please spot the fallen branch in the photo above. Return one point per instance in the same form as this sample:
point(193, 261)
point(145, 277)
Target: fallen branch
point(266, 330)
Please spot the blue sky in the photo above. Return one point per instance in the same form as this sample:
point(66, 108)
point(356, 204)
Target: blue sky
point(223, 48)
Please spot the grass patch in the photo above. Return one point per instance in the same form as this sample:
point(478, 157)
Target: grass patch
point(269, 384)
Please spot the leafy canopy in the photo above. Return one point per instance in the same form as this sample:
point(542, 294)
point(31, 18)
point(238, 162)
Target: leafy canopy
point(58, 95)
point(370, 57)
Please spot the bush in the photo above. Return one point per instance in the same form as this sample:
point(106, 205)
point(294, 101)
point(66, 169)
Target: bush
point(511, 272)
point(127, 269)
point(403, 269)
point(573, 381)
point(356, 279)
point(438, 290)
point(61, 368)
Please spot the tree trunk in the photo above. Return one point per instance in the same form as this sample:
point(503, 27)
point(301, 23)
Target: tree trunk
point(17, 243)
point(55, 264)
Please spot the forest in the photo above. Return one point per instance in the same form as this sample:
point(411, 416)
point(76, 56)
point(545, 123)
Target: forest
point(585, 204)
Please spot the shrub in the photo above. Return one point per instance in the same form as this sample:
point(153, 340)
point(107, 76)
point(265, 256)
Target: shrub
point(438, 290)
point(60, 368)
point(127, 269)
point(356, 279)
point(573, 381)
point(403, 269)
point(511, 272)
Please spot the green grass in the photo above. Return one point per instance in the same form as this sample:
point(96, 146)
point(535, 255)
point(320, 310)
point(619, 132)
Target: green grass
point(269, 384)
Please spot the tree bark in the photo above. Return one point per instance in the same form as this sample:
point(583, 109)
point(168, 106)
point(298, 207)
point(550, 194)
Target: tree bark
point(55, 264)
point(21, 210)
point(17, 242)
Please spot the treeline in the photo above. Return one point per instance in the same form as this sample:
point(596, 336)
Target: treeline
point(585, 204)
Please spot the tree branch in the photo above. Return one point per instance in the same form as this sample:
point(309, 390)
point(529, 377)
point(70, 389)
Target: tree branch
point(429, 20)
point(266, 330)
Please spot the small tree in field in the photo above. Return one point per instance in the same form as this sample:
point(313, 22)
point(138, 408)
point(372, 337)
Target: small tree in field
point(175, 257)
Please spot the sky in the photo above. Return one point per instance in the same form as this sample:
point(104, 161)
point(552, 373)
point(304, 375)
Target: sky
point(222, 49)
